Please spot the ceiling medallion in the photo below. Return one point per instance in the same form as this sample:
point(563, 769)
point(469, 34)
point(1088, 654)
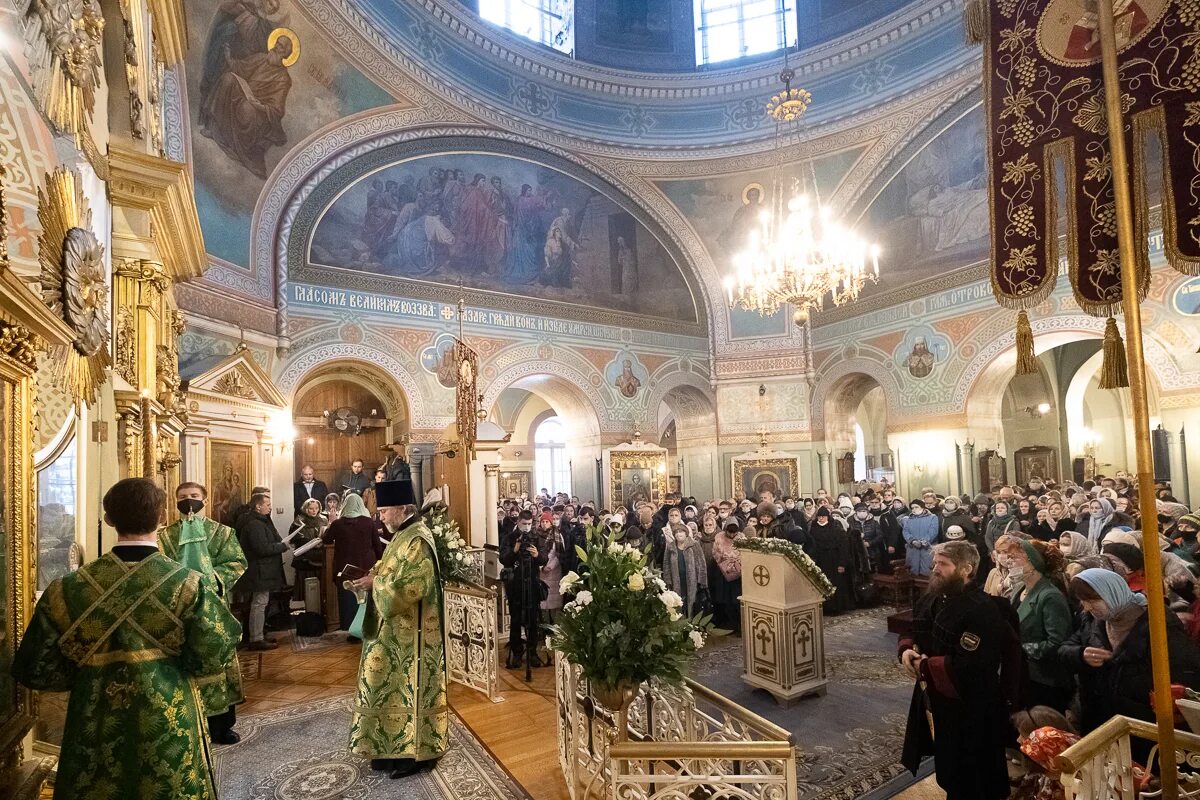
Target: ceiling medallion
point(794, 250)
point(74, 285)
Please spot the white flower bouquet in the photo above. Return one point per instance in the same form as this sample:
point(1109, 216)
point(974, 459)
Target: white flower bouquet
point(455, 562)
point(623, 626)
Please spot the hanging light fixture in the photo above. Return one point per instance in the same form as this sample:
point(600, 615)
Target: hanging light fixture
point(797, 252)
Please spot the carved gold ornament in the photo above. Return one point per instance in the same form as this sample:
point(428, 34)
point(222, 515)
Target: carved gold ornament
point(74, 282)
point(65, 37)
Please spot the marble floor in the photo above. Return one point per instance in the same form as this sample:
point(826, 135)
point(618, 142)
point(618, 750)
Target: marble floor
point(519, 731)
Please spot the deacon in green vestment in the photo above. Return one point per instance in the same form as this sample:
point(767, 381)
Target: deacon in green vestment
point(128, 635)
point(400, 716)
point(212, 549)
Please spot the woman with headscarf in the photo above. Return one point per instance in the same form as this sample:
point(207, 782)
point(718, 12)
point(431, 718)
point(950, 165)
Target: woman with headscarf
point(308, 526)
point(920, 530)
point(1111, 652)
point(1026, 515)
point(999, 522)
point(728, 586)
point(1075, 546)
point(1098, 522)
point(356, 543)
point(954, 514)
point(684, 571)
point(707, 537)
point(1054, 523)
point(829, 546)
point(1045, 620)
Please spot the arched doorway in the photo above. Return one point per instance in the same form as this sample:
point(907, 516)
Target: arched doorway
point(346, 412)
point(552, 407)
point(855, 413)
point(687, 421)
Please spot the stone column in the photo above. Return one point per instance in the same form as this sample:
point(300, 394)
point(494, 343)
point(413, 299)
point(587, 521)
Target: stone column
point(416, 466)
point(491, 493)
point(827, 476)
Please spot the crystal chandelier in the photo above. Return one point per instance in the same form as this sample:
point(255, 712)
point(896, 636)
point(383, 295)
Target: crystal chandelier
point(798, 252)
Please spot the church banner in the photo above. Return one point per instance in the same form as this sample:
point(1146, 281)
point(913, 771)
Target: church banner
point(1048, 149)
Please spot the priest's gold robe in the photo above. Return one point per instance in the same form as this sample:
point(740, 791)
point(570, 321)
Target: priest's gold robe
point(128, 640)
point(222, 562)
point(400, 708)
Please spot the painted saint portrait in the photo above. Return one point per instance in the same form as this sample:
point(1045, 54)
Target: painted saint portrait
point(920, 361)
point(245, 81)
point(635, 485)
point(502, 224)
point(230, 479)
point(438, 360)
point(776, 475)
point(627, 383)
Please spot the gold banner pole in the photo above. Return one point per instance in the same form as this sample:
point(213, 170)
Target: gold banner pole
point(1164, 705)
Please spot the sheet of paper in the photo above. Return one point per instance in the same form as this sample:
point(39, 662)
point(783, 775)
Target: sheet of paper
point(304, 548)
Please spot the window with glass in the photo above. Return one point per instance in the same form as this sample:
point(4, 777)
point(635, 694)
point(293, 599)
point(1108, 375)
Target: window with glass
point(729, 29)
point(548, 22)
point(550, 456)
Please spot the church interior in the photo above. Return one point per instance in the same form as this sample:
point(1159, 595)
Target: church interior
point(822, 270)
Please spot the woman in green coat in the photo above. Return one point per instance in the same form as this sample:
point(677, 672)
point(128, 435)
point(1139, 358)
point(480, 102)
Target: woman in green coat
point(1045, 622)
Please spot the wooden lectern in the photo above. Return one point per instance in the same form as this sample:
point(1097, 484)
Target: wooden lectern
point(783, 628)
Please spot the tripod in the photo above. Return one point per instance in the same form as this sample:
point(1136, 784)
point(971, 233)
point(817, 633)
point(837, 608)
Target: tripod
point(528, 616)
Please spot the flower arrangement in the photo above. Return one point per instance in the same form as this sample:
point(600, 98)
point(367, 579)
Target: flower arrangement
point(624, 626)
point(793, 553)
point(455, 562)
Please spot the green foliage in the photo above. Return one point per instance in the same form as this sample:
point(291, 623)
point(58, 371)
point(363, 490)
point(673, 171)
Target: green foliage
point(793, 553)
point(623, 625)
point(454, 561)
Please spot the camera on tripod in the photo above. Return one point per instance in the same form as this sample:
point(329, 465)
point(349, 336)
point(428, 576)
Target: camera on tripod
point(523, 541)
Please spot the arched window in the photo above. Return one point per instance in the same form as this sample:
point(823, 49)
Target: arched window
point(548, 22)
point(550, 456)
point(860, 454)
point(729, 29)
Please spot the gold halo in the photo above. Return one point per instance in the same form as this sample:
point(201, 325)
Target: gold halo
point(290, 34)
point(746, 192)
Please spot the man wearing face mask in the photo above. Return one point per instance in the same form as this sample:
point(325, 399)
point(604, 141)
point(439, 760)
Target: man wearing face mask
point(1184, 537)
point(892, 525)
point(954, 514)
point(212, 549)
point(866, 525)
point(521, 541)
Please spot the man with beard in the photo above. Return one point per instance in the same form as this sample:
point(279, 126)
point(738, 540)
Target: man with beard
point(966, 657)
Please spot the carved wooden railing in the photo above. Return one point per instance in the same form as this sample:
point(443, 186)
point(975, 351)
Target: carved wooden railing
point(676, 740)
point(472, 641)
point(1100, 767)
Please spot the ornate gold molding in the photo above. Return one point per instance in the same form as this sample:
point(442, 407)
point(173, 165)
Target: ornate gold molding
point(63, 42)
point(170, 29)
point(163, 188)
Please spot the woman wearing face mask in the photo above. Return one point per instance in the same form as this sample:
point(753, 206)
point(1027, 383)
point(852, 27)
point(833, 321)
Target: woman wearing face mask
point(954, 514)
point(1111, 652)
point(684, 570)
point(867, 526)
point(1098, 522)
point(707, 537)
point(1045, 621)
point(1001, 582)
point(999, 523)
point(921, 531)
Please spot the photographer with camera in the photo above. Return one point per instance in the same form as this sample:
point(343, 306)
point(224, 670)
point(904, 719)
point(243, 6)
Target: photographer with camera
point(522, 561)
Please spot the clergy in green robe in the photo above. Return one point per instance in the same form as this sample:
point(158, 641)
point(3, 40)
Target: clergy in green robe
point(212, 549)
point(128, 635)
point(400, 716)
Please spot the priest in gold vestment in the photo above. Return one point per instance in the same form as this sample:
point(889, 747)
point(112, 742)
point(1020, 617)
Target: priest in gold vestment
point(400, 715)
point(212, 549)
point(128, 635)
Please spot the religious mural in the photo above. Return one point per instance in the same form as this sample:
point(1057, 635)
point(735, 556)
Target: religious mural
point(251, 64)
point(502, 224)
point(933, 215)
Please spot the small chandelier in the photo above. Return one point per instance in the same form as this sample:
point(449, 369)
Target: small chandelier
point(798, 252)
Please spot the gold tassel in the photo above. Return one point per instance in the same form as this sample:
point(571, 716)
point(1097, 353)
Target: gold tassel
point(975, 21)
point(1026, 361)
point(1114, 371)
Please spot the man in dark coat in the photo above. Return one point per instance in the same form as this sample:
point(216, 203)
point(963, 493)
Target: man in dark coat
point(829, 546)
point(891, 524)
point(778, 526)
point(523, 599)
point(308, 488)
point(264, 569)
point(967, 660)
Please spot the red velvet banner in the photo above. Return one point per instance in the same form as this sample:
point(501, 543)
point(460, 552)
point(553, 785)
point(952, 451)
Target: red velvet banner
point(1048, 147)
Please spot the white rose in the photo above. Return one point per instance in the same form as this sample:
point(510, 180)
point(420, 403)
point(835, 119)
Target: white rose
point(671, 600)
point(452, 544)
point(636, 582)
point(567, 582)
point(675, 615)
point(583, 598)
point(697, 639)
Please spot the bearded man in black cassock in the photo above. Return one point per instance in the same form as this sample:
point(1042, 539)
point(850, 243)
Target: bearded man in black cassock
point(965, 654)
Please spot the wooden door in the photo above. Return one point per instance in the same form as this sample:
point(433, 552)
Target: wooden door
point(328, 451)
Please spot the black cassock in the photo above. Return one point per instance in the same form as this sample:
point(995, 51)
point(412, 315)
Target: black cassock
point(974, 674)
point(830, 547)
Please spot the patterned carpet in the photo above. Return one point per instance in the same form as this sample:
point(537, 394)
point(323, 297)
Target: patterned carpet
point(849, 741)
point(300, 754)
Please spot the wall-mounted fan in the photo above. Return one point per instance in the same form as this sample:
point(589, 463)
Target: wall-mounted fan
point(345, 420)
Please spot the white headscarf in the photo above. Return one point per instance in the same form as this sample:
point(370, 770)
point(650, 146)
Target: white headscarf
point(1097, 521)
